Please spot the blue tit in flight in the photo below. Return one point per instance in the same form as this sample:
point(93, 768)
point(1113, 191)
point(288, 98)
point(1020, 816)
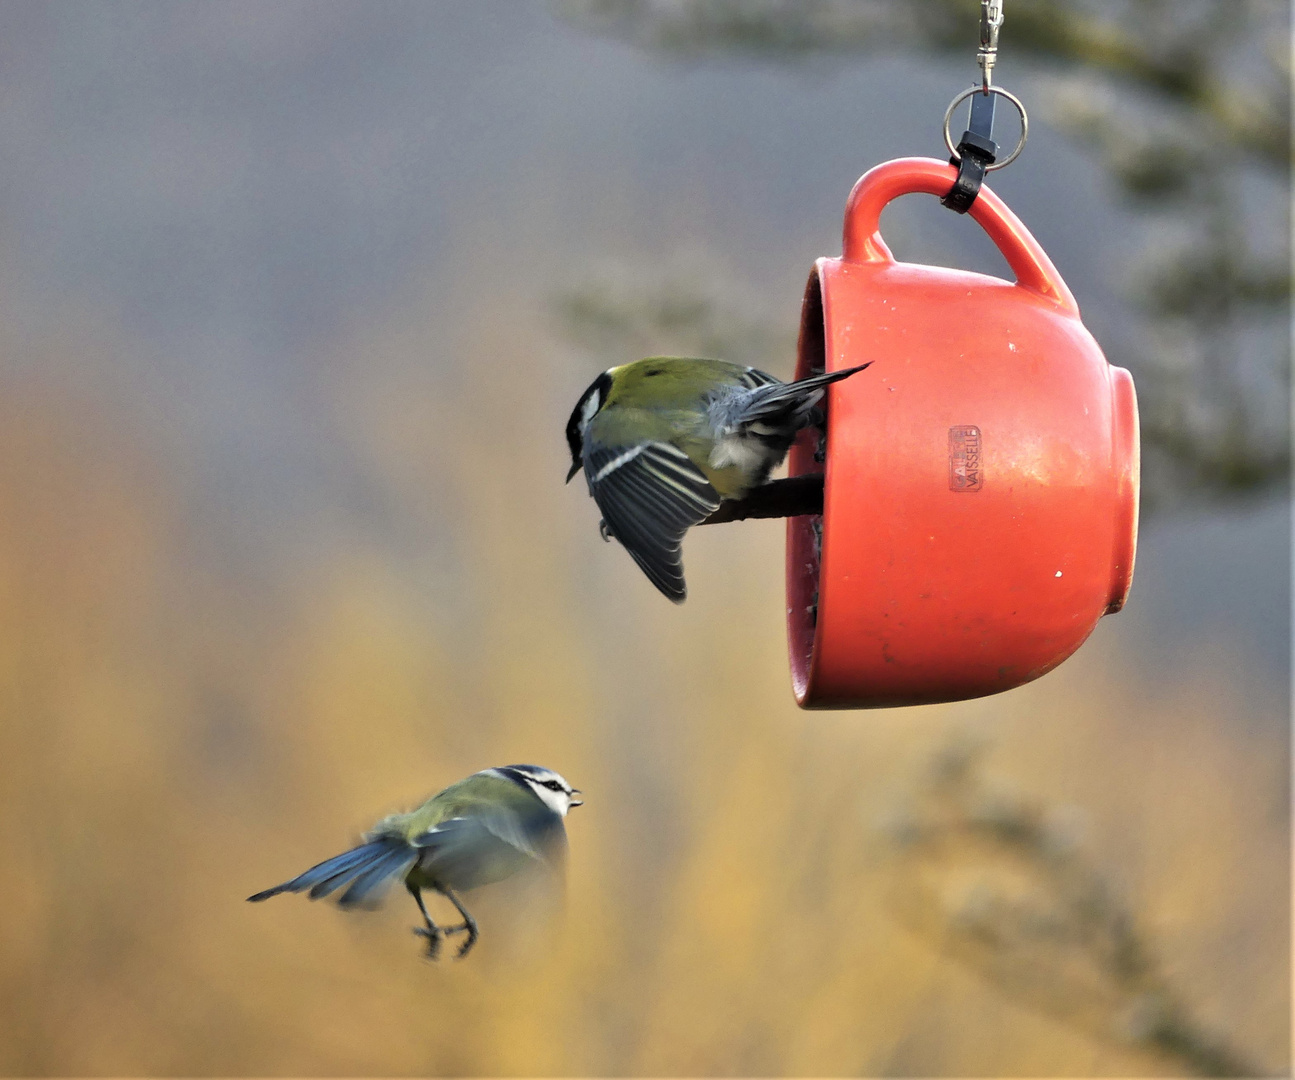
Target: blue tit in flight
point(663, 440)
point(481, 830)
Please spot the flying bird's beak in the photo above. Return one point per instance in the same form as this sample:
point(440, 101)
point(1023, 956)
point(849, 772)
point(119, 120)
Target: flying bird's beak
point(575, 797)
point(575, 468)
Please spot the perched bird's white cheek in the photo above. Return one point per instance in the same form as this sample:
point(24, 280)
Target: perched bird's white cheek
point(588, 413)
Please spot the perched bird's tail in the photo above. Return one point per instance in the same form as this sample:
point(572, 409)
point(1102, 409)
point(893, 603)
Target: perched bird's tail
point(369, 868)
point(776, 403)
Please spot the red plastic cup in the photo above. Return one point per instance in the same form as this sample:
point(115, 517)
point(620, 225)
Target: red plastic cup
point(980, 505)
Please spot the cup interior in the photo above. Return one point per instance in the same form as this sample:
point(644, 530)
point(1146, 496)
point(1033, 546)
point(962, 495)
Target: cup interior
point(805, 534)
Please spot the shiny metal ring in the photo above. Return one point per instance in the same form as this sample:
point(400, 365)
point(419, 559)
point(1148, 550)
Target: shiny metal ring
point(1025, 124)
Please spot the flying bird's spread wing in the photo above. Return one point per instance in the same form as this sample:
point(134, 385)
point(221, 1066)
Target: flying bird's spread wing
point(464, 831)
point(482, 846)
point(650, 494)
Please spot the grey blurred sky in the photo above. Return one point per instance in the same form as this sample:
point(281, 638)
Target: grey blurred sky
point(226, 188)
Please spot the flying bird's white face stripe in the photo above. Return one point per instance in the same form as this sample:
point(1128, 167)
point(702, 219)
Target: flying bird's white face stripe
point(559, 799)
point(618, 461)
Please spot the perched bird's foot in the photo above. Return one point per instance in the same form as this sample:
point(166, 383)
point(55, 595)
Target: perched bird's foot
point(817, 424)
point(605, 531)
point(433, 936)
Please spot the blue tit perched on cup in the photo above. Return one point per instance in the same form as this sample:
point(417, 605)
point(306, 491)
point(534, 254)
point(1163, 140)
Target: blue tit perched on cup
point(481, 830)
point(663, 440)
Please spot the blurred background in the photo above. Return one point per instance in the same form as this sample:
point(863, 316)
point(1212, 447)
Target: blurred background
point(295, 299)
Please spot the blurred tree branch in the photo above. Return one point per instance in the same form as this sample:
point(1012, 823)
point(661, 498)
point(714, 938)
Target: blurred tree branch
point(1002, 885)
point(1187, 107)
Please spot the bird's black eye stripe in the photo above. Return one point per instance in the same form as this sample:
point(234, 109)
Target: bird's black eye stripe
point(552, 785)
point(516, 776)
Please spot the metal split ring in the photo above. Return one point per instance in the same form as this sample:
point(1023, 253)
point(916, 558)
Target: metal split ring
point(1025, 124)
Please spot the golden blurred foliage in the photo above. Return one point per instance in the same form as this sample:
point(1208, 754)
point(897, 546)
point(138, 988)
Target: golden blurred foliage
point(751, 890)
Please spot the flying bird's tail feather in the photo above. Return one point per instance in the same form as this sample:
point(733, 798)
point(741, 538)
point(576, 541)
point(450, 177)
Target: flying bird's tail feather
point(369, 868)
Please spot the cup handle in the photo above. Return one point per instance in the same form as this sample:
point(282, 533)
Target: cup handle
point(862, 242)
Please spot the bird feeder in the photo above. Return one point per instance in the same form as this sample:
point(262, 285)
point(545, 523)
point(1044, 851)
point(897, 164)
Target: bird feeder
point(980, 501)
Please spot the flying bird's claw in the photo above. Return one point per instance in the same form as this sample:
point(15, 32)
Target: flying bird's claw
point(605, 531)
point(467, 945)
point(433, 941)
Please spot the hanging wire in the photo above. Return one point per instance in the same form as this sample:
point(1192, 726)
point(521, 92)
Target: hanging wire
point(991, 20)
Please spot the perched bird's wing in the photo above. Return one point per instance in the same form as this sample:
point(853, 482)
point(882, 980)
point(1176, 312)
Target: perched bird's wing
point(754, 377)
point(650, 494)
point(777, 403)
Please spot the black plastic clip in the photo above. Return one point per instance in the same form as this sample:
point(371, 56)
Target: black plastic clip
point(976, 152)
